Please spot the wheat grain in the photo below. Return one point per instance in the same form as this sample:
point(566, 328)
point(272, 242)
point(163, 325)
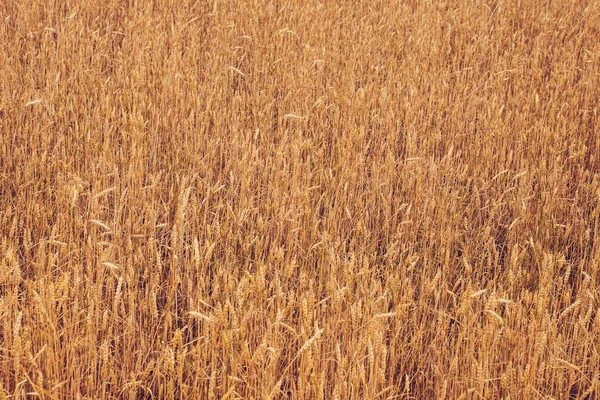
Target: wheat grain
point(186, 188)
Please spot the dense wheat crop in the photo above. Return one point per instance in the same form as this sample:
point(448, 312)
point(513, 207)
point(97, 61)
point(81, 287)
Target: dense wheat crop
point(299, 199)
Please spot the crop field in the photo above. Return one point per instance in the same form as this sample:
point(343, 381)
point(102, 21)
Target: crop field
point(299, 199)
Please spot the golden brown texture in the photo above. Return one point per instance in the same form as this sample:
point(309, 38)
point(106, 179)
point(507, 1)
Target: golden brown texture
point(299, 199)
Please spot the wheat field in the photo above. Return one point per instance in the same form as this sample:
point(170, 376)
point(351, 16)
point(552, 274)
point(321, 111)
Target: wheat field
point(284, 199)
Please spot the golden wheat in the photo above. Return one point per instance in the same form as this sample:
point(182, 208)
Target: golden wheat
point(299, 199)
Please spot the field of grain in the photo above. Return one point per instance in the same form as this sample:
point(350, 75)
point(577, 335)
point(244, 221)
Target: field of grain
point(299, 199)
